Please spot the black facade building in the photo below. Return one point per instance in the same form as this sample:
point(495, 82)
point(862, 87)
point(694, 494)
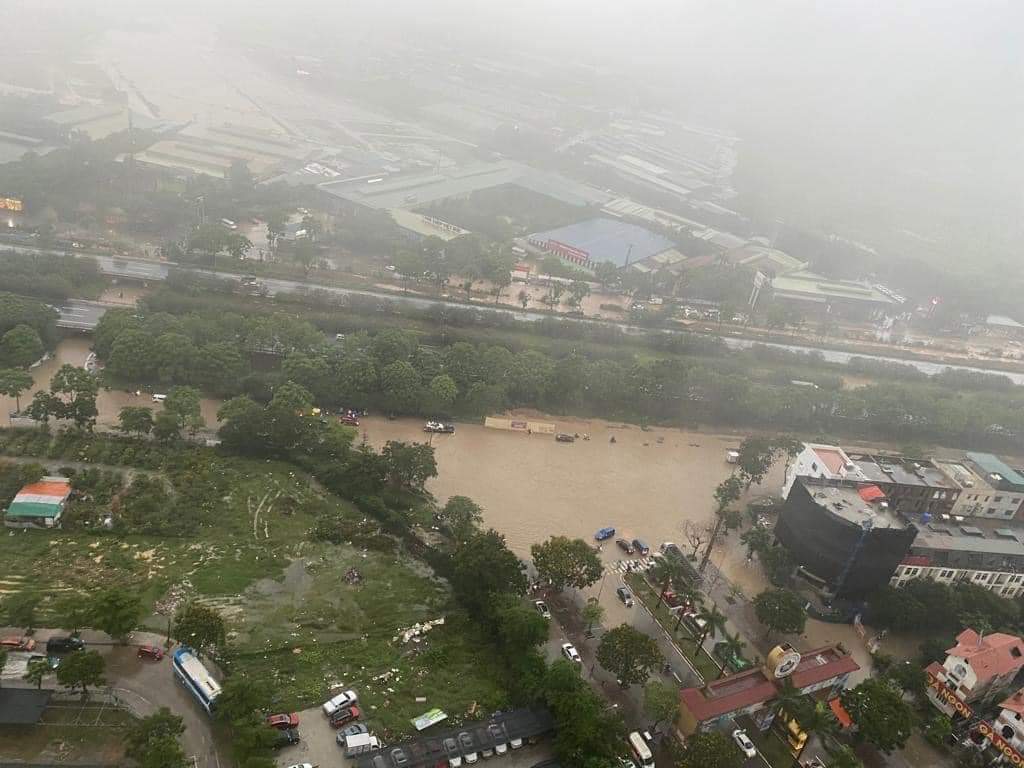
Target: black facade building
point(844, 533)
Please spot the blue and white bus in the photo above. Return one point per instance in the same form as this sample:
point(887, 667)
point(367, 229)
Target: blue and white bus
point(191, 673)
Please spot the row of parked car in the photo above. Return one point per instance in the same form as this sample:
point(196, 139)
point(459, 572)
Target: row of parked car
point(468, 746)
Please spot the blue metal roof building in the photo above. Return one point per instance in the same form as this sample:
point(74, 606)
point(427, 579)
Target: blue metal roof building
point(602, 239)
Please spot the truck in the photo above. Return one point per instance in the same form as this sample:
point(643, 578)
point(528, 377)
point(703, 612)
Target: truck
point(359, 744)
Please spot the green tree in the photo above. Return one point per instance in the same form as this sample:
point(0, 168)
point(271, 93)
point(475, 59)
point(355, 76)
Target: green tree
point(733, 646)
point(20, 347)
point(628, 654)
point(243, 423)
point(43, 406)
point(237, 245)
point(882, 717)
point(661, 702)
point(606, 273)
point(844, 757)
point(75, 390)
point(135, 420)
point(199, 627)
point(152, 742)
point(565, 562)
point(408, 465)
point(727, 492)
point(116, 612)
point(13, 382)
point(401, 387)
point(36, 672)
point(780, 610)
point(183, 402)
point(938, 729)
point(520, 628)
point(578, 290)
point(82, 668)
point(277, 225)
point(20, 609)
point(587, 731)
point(757, 539)
point(443, 392)
point(714, 621)
point(711, 750)
point(669, 571)
point(463, 516)
point(166, 428)
point(483, 567)
point(242, 697)
point(592, 613)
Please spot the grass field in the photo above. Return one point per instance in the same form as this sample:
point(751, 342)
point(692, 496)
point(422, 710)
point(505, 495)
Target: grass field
point(69, 733)
point(293, 617)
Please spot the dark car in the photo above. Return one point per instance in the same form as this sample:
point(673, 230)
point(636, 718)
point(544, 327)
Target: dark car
point(64, 644)
point(625, 546)
point(354, 730)
point(286, 738)
point(625, 596)
point(345, 716)
point(399, 757)
point(641, 548)
point(564, 437)
point(153, 652)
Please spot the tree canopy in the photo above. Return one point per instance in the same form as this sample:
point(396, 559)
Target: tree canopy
point(565, 562)
point(780, 610)
point(628, 654)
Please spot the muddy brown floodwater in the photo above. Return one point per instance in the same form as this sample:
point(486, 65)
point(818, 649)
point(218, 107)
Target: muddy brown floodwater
point(75, 350)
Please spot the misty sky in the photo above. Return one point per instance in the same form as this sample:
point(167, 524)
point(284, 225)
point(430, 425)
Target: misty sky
point(888, 102)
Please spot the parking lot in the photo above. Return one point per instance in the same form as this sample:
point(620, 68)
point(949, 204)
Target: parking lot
point(318, 747)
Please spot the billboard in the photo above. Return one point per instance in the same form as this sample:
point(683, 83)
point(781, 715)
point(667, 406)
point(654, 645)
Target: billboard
point(12, 204)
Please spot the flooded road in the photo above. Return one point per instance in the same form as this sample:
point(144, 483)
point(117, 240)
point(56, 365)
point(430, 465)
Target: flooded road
point(74, 351)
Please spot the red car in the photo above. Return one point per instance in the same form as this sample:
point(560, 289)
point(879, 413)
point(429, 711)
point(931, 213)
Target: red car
point(18, 643)
point(150, 652)
point(349, 421)
point(345, 716)
point(283, 721)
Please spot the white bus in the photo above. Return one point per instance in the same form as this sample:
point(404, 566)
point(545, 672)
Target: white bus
point(191, 673)
point(640, 750)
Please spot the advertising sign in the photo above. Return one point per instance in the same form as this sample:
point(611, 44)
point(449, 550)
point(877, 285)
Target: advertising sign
point(945, 694)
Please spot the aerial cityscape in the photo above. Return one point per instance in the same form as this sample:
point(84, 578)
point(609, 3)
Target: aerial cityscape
point(557, 386)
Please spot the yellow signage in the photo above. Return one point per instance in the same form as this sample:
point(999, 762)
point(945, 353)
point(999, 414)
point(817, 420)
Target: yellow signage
point(1001, 744)
point(11, 204)
point(945, 693)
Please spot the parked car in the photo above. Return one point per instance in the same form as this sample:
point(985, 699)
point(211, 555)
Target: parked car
point(52, 661)
point(484, 742)
point(399, 758)
point(153, 652)
point(641, 548)
point(625, 596)
point(672, 600)
point(451, 748)
point(354, 729)
point(468, 745)
point(159, 398)
point(439, 427)
point(565, 437)
point(744, 743)
point(283, 720)
point(286, 738)
point(64, 644)
point(342, 700)
point(604, 534)
point(500, 738)
point(542, 608)
point(349, 421)
point(570, 652)
point(671, 550)
point(625, 546)
point(344, 716)
point(18, 643)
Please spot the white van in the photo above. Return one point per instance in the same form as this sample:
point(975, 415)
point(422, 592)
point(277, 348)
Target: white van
point(159, 398)
point(641, 751)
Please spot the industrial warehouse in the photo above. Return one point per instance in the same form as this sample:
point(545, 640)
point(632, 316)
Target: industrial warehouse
point(604, 240)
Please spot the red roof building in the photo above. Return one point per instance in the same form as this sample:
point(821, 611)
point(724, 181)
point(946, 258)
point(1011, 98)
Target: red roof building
point(752, 692)
point(973, 667)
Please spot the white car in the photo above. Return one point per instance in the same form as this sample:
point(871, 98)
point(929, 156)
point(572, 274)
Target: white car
point(342, 700)
point(301, 765)
point(744, 743)
point(542, 608)
point(159, 398)
point(570, 652)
